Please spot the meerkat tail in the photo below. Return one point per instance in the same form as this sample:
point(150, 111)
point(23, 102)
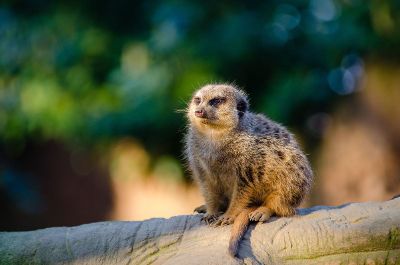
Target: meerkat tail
point(238, 230)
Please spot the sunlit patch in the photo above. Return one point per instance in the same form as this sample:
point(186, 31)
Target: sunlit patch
point(143, 191)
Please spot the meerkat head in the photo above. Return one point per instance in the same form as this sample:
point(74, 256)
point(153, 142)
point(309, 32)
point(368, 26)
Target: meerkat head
point(217, 107)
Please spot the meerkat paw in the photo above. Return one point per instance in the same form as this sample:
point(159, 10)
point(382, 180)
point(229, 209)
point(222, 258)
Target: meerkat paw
point(200, 209)
point(210, 218)
point(261, 214)
point(223, 220)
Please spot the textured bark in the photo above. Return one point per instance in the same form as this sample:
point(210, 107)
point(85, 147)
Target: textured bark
point(358, 233)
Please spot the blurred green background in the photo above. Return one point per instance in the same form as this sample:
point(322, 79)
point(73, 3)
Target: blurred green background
point(89, 93)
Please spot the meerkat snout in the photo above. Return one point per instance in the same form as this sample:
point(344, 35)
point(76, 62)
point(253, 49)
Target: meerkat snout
point(200, 113)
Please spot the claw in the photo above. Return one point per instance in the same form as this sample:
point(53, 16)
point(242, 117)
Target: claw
point(261, 214)
point(209, 219)
point(264, 218)
point(216, 223)
point(226, 222)
point(223, 221)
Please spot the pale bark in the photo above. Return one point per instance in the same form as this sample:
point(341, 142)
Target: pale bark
point(358, 233)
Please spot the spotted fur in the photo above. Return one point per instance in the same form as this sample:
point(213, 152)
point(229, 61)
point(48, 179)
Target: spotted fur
point(247, 166)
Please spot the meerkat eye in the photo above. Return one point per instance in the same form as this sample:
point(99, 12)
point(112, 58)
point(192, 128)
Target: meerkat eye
point(196, 100)
point(216, 101)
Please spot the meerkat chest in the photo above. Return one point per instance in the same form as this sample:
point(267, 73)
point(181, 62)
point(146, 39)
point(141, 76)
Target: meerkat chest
point(219, 164)
point(218, 175)
point(216, 166)
point(211, 154)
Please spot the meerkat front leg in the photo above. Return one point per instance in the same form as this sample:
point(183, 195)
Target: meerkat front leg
point(213, 209)
point(239, 201)
point(215, 203)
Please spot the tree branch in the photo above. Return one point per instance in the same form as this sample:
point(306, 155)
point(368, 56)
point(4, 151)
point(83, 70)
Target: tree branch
point(358, 233)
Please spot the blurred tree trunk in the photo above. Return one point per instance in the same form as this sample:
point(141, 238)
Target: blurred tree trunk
point(358, 233)
point(360, 152)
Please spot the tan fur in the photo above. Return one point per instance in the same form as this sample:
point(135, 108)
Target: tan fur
point(238, 229)
point(247, 166)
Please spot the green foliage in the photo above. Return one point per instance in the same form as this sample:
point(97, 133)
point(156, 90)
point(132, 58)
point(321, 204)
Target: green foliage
point(92, 71)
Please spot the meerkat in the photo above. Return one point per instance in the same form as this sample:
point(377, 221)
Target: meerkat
point(247, 166)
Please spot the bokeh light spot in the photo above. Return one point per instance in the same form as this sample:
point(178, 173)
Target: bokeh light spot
point(324, 10)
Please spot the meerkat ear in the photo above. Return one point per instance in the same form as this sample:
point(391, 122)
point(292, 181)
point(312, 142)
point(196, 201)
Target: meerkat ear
point(242, 106)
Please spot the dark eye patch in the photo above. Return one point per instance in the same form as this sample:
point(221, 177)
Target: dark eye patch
point(196, 100)
point(242, 107)
point(216, 101)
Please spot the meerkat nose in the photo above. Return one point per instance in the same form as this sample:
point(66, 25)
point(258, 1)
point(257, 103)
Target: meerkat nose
point(199, 113)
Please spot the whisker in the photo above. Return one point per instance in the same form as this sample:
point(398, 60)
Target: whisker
point(181, 110)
